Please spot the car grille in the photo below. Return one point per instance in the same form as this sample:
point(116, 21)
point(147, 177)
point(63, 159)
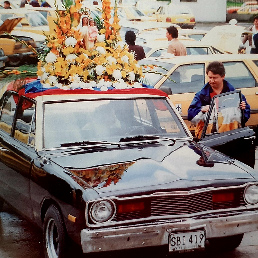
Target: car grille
point(183, 204)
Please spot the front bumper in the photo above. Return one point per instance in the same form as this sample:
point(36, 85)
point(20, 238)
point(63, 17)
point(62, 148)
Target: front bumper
point(156, 234)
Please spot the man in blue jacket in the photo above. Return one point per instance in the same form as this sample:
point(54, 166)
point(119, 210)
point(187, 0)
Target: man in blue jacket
point(216, 85)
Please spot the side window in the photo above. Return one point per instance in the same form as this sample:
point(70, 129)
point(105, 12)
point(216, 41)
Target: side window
point(197, 50)
point(25, 123)
point(186, 78)
point(238, 75)
point(7, 112)
point(159, 52)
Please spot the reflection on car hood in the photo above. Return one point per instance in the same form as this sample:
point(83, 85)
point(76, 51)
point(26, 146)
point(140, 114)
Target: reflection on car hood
point(131, 169)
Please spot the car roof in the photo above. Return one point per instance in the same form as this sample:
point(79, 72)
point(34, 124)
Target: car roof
point(202, 58)
point(75, 94)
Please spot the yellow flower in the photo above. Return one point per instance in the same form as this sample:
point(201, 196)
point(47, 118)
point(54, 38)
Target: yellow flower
point(68, 50)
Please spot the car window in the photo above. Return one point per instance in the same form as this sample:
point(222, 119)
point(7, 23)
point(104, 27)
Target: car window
point(7, 112)
point(25, 123)
point(224, 114)
point(196, 37)
point(159, 52)
point(108, 120)
point(198, 51)
point(186, 78)
point(154, 73)
point(36, 19)
point(238, 75)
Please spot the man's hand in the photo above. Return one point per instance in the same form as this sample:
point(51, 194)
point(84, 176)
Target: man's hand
point(242, 105)
point(205, 109)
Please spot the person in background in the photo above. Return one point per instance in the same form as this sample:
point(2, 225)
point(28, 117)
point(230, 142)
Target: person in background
point(202, 99)
point(35, 3)
point(93, 33)
point(23, 3)
point(7, 5)
point(250, 37)
point(138, 51)
point(175, 46)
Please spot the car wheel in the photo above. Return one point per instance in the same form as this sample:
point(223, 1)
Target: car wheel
point(225, 243)
point(54, 234)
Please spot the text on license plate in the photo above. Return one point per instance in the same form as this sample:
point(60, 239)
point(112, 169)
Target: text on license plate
point(181, 241)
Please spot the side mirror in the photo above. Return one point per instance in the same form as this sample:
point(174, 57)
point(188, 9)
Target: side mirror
point(166, 90)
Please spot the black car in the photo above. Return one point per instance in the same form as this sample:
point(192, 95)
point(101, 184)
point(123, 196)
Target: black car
point(118, 169)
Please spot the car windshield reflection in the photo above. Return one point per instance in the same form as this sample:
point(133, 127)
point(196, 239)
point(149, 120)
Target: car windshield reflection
point(108, 120)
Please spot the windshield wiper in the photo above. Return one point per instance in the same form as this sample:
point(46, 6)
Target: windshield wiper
point(87, 143)
point(139, 138)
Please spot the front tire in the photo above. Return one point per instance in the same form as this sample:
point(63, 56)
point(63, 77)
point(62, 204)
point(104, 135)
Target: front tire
point(54, 234)
point(225, 243)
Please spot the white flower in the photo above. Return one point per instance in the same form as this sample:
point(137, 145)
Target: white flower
point(50, 57)
point(100, 69)
point(103, 88)
point(121, 84)
point(75, 78)
point(101, 38)
point(46, 85)
point(117, 74)
point(52, 80)
point(125, 59)
point(86, 56)
point(131, 76)
point(44, 76)
point(70, 42)
point(71, 58)
point(137, 85)
point(101, 50)
point(111, 60)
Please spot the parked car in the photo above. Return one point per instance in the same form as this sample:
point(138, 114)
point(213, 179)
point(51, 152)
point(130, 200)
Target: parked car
point(226, 37)
point(234, 9)
point(32, 21)
point(178, 14)
point(20, 47)
point(185, 76)
point(118, 169)
point(159, 49)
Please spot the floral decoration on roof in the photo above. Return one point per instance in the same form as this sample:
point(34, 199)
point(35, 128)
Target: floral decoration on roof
point(68, 65)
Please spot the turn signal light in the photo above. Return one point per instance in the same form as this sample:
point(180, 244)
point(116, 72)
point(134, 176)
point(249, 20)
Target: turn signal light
point(223, 197)
point(130, 207)
point(168, 19)
point(192, 20)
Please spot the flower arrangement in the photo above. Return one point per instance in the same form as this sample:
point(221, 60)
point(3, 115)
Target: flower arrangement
point(68, 65)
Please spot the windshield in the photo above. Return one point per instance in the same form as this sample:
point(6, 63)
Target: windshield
point(36, 19)
point(108, 120)
point(154, 73)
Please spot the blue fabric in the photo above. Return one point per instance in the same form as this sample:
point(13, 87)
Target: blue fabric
point(202, 98)
point(35, 86)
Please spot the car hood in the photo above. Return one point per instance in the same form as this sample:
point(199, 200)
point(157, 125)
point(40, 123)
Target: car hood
point(130, 169)
point(9, 24)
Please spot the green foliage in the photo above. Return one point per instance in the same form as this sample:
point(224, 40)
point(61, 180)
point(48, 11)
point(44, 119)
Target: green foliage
point(68, 3)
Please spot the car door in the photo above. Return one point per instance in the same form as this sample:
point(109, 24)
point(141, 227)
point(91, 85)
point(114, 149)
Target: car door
point(225, 130)
point(16, 151)
point(185, 81)
point(242, 77)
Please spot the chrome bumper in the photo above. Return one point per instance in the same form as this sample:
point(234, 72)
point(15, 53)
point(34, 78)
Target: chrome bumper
point(109, 239)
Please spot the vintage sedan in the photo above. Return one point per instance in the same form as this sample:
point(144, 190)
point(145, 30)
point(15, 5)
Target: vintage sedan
point(118, 169)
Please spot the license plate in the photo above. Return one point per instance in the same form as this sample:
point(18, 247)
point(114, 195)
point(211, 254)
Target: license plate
point(183, 241)
point(181, 20)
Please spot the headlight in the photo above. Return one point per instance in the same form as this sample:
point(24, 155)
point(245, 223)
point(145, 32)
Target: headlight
point(251, 194)
point(102, 211)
